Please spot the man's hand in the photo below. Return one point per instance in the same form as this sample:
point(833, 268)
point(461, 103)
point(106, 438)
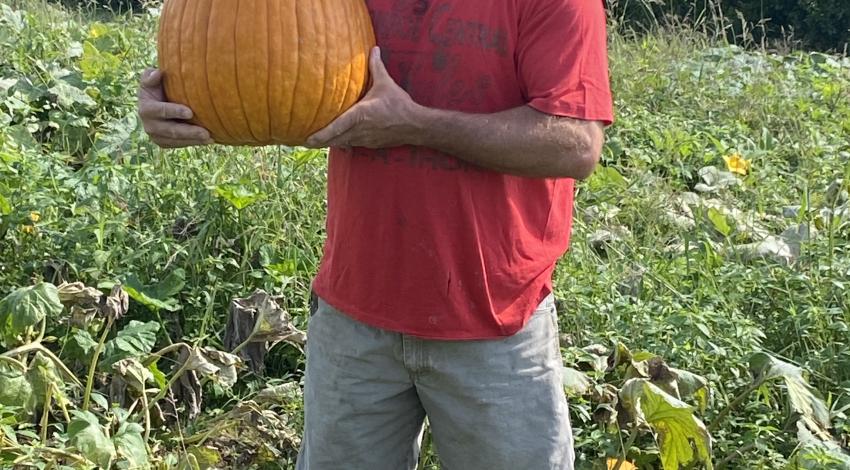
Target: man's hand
point(385, 117)
point(520, 141)
point(162, 120)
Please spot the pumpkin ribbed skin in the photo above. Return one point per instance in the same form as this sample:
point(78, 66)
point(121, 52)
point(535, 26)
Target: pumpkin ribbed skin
point(261, 72)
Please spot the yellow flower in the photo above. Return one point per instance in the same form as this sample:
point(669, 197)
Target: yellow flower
point(626, 465)
point(35, 216)
point(735, 163)
point(29, 229)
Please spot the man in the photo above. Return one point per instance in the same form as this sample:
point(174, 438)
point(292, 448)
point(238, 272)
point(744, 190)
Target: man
point(450, 191)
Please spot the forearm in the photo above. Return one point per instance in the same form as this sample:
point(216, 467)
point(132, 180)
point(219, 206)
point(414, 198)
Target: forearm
point(520, 141)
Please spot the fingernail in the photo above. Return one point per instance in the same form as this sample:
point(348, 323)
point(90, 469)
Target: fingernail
point(185, 114)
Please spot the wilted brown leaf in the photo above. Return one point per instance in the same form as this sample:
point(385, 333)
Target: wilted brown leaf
point(116, 304)
point(258, 320)
point(78, 294)
point(214, 364)
point(187, 389)
point(133, 372)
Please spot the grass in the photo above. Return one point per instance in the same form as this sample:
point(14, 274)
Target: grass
point(657, 263)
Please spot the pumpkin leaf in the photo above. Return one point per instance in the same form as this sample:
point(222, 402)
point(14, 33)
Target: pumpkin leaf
point(217, 365)
point(116, 304)
point(575, 382)
point(116, 136)
point(274, 324)
point(134, 340)
point(69, 96)
point(130, 445)
point(134, 373)
point(95, 64)
point(79, 346)
point(606, 177)
point(255, 321)
point(24, 308)
point(160, 295)
point(158, 377)
point(8, 433)
point(774, 248)
point(238, 195)
point(818, 453)
point(100, 401)
point(719, 222)
point(78, 294)
point(692, 385)
point(801, 395)
point(596, 356)
point(42, 374)
point(86, 434)
point(5, 206)
point(682, 437)
point(17, 389)
point(714, 180)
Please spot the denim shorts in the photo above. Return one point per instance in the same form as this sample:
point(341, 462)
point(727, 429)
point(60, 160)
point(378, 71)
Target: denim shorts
point(491, 404)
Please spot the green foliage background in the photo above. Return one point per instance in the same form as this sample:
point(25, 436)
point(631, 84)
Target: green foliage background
point(820, 24)
point(84, 196)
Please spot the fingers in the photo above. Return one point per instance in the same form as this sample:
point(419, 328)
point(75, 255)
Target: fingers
point(339, 126)
point(177, 131)
point(344, 141)
point(163, 120)
point(156, 110)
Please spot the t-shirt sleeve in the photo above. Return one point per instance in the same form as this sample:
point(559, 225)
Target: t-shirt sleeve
point(562, 58)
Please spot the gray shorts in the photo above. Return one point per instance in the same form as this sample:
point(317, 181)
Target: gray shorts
point(493, 404)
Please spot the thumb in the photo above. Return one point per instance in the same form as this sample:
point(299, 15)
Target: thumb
point(377, 68)
point(151, 78)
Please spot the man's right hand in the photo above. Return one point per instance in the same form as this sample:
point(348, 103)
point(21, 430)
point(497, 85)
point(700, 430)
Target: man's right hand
point(163, 121)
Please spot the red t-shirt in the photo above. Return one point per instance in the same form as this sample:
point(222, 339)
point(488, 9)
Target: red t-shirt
point(425, 244)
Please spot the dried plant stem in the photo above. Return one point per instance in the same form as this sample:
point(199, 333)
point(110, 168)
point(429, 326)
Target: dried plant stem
point(45, 414)
point(622, 457)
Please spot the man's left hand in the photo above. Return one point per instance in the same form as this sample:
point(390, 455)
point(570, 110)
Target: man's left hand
point(386, 117)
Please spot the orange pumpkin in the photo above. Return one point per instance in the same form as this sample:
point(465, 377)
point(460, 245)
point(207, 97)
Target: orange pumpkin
point(260, 72)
